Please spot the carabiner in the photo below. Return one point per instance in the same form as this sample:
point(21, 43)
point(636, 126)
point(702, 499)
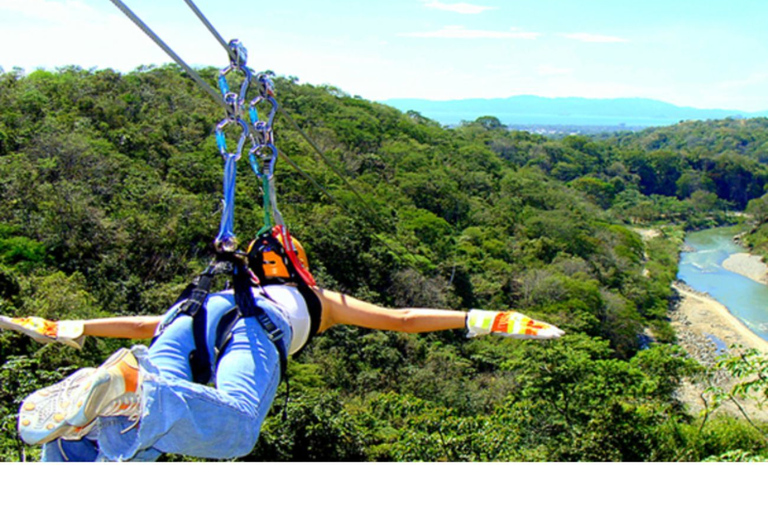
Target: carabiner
point(240, 52)
point(221, 139)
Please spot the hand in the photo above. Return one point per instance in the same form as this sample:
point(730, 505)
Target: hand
point(510, 324)
point(66, 332)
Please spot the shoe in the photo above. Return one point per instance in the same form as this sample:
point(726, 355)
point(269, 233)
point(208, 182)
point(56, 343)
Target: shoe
point(42, 416)
point(68, 408)
point(112, 390)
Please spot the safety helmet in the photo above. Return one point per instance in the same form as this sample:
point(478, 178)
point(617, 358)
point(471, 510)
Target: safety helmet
point(272, 263)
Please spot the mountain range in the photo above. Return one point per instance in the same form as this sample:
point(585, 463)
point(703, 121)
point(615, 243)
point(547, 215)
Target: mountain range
point(537, 110)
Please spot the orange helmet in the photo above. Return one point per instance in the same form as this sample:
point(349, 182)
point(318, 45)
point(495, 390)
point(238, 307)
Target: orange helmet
point(272, 263)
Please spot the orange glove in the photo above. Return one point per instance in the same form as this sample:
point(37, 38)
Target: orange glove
point(510, 324)
point(66, 332)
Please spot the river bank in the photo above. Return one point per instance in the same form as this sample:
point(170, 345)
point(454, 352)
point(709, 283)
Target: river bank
point(704, 316)
point(705, 328)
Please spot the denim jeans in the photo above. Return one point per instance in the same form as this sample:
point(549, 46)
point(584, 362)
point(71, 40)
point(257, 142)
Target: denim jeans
point(180, 416)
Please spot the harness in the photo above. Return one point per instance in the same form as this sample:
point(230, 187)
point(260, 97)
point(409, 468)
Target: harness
point(192, 303)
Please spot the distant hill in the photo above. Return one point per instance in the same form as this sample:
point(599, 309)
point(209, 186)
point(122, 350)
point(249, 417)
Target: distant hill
point(537, 110)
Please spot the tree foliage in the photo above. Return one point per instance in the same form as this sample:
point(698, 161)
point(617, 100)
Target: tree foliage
point(111, 194)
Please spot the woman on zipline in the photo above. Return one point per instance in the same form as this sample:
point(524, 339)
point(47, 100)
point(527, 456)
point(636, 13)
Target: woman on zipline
point(143, 401)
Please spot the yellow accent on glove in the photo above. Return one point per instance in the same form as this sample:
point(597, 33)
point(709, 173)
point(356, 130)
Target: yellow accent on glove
point(509, 324)
point(66, 332)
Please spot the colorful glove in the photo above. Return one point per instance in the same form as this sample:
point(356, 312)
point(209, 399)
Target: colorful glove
point(509, 323)
point(66, 332)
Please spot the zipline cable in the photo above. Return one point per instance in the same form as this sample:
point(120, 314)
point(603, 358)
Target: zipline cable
point(288, 116)
point(314, 182)
point(211, 28)
point(306, 137)
point(143, 26)
point(202, 83)
point(120, 5)
point(207, 88)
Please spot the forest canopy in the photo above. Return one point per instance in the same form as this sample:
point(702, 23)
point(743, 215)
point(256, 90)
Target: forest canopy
point(111, 187)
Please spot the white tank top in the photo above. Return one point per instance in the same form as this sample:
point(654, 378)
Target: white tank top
point(290, 301)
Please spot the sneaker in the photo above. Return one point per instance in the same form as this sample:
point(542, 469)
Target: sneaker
point(68, 408)
point(112, 390)
point(43, 414)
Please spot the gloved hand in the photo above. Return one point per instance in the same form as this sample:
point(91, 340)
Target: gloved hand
point(66, 332)
point(510, 324)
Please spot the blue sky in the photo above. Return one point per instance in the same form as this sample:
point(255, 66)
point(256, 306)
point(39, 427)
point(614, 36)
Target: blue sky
point(704, 53)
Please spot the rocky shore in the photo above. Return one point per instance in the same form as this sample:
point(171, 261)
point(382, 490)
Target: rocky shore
point(699, 321)
point(701, 314)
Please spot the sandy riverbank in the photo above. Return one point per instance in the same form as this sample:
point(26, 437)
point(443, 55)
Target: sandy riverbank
point(705, 316)
point(695, 317)
point(747, 265)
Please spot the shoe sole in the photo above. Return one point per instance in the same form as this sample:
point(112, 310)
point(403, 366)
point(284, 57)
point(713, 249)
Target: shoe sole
point(86, 407)
point(66, 408)
point(43, 414)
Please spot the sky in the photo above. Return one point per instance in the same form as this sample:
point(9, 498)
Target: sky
point(702, 53)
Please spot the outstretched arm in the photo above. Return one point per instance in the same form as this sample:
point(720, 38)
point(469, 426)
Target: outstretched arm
point(340, 309)
point(345, 310)
point(73, 332)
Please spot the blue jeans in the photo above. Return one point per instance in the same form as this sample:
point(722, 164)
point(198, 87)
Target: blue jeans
point(180, 416)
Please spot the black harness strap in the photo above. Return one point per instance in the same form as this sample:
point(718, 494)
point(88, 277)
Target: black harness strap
point(248, 308)
point(192, 302)
point(224, 332)
point(199, 358)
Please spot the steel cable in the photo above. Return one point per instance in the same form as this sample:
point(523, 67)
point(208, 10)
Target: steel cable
point(335, 201)
point(192, 73)
point(211, 28)
point(207, 88)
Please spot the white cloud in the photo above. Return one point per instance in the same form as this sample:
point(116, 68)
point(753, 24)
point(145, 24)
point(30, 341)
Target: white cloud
point(460, 8)
point(459, 32)
point(594, 38)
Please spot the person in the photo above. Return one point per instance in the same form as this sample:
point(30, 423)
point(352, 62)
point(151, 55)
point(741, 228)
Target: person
point(143, 401)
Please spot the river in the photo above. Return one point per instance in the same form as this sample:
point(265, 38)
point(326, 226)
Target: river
point(703, 271)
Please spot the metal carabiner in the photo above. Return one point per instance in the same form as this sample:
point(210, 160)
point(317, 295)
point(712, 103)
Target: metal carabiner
point(221, 139)
point(270, 156)
point(266, 84)
point(240, 53)
point(255, 113)
point(263, 133)
point(237, 101)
